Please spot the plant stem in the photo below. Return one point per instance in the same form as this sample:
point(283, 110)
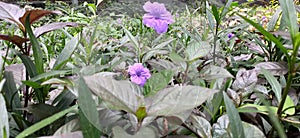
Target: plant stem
point(215, 43)
point(291, 74)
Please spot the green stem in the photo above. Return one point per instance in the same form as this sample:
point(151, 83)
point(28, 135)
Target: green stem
point(215, 43)
point(291, 74)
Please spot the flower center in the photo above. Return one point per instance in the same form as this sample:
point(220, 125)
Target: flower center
point(138, 73)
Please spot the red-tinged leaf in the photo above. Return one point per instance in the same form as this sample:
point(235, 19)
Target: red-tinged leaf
point(14, 39)
point(11, 13)
point(36, 14)
point(53, 26)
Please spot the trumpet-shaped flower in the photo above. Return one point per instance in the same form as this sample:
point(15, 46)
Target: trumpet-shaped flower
point(230, 35)
point(138, 74)
point(157, 17)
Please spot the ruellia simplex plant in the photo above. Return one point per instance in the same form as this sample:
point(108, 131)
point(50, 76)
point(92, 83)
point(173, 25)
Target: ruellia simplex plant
point(161, 75)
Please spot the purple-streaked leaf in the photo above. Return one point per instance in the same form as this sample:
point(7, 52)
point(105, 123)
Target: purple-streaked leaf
point(275, 68)
point(215, 72)
point(11, 13)
point(283, 34)
point(244, 57)
point(53, 26)
point(245, 80)
point(35, 15)
point(256, 48)
point(14, 39)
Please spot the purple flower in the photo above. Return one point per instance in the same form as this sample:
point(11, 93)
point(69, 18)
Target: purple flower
point(264, 19)
point(230, 35)
point(157, 17)
point(138, 74)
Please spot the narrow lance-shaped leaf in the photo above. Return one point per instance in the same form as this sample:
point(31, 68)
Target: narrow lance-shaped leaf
point(268, 35)
point(275, 68)
point(52, 26)
point(87, 105)
point(17, 40)
point(66, 53)
point(37, 52)
point(276, 87)
point(226, 8)
point(45, 122)
point(4, 126)
point(236, 126)
point(290, 16)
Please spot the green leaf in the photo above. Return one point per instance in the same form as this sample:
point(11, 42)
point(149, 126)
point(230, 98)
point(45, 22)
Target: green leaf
point(4, 126)
point(122, 95)
point(276, 87)
point(226, 8)
point(132, 38)
point(197, 49)
point(215, 72)
point(236, 126)
point(29, 65)
point(290, 16)
point(45, 122)
point(289, 106)
point(37, 51)
point(174, 100)
point(11, 92)
point(273, 21)
point(141, 113)
point(200, 125)
point(87, 128)
point(216, 13)
point(251, 131)
point(157, 82)
point(176, 57)
point(268, 35)
point(66, 53)
point(69, 127)
point(41, 111)
point(87, 105)
point(210, 17)
point(50, 74)
point(144, 132)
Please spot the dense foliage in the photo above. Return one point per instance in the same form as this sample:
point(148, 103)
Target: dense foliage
point(212, 70)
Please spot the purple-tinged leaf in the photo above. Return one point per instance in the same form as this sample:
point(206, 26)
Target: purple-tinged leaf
point(244, 57)
point(245, 80)
point(283, 34)
point(35, 15)
point(174, 100)
point(53, 26)
point(215, 72)
point(11, 13)
point(275, 68)
point(256, 48)
point(14, 39)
